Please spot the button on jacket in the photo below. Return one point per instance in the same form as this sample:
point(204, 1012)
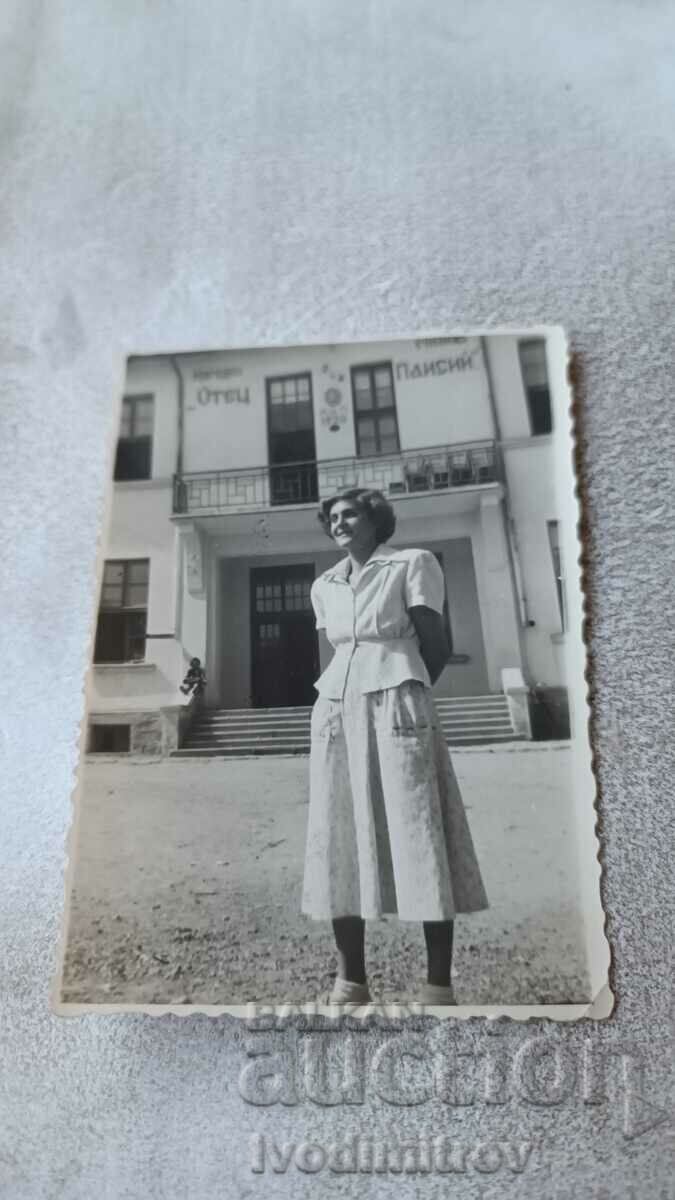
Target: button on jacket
point(369, 624)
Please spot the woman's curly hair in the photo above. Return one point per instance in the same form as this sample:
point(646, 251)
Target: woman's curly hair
point(371, 503)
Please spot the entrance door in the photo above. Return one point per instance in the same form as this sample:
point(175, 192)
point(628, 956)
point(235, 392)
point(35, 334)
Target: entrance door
point(285, 647)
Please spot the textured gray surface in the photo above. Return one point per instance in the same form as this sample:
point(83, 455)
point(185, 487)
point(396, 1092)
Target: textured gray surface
point(183, 176)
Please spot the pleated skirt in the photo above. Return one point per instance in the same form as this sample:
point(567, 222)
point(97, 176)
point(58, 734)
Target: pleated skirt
point(387, 831)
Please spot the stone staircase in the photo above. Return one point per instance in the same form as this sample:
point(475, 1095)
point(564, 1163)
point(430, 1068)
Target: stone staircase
point(246, 732)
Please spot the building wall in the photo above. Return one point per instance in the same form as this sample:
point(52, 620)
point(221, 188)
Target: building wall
point(507, 383)
point(156, 377)
point(530, 475)
point(503, 650)
point(441, 393)
point(532, 500)
point(140, 527)
point(441, 386)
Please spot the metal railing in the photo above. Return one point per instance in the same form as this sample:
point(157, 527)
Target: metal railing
point(251, 489)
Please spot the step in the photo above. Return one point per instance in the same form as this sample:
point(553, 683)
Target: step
point(440, 701)
point(299, 750)
point(198, 738)
point(197, 743)
point(479, 714)
point(253, 732)
point(455, 713)
point(225, 733)
point(240, 752)
point(470, 703)
point(297, 719)
point(252, 719)
point(246, 712)
point(447, 721)
point(224, 740)
point(258, 722)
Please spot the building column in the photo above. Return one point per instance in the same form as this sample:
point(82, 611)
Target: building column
point(192, 612)
point(498, 602)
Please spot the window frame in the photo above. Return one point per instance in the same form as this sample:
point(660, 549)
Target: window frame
point(133, 398)
point(306, 471)
point(374, 412)
point(528, 390)
point(269, 381)
point(94, 734)
point(123, 608)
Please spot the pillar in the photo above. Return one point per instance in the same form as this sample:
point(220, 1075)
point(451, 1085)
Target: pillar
point(499, 608)
point(192, 615)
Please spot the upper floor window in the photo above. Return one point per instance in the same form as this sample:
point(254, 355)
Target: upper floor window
point(535, 381)
point(134, 445)
point(123, 611)
point(292, 448)
point(375, 409)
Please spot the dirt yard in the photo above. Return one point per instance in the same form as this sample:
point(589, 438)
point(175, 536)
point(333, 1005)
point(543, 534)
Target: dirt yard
point(188, 881)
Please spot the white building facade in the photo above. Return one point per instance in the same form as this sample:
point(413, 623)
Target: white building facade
point(214, 539)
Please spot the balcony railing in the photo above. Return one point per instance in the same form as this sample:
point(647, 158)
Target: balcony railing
point(250, 489)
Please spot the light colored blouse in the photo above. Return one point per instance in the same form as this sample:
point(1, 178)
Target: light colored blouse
point(369, 624)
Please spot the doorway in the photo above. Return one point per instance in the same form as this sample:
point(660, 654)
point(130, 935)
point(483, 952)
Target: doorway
point(292, 448)
point(284, 643)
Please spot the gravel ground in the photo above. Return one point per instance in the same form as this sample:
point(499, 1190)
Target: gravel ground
point(188, 878)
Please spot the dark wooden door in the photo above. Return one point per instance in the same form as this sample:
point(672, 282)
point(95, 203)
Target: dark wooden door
point(284, 644)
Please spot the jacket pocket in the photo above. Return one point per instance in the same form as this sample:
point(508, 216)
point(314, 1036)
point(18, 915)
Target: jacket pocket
point(409, 710)
point(326, 720)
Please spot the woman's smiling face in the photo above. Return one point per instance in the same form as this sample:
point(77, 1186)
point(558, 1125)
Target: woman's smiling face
point(350, 528)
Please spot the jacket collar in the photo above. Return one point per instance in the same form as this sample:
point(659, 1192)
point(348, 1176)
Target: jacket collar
point(340, 572)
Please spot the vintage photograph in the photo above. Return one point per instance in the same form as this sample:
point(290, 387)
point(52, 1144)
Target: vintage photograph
point(330, 751)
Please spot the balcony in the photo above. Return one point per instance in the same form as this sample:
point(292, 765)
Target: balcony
point(252, 489)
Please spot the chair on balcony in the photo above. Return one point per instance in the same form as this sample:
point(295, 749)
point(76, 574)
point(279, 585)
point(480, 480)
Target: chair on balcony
point(483, 466)
point(440, 472)
point(460, 468)
point(396, 485)
point(418, 476)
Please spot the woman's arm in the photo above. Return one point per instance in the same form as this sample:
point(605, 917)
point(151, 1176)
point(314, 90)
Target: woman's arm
point(434, 646)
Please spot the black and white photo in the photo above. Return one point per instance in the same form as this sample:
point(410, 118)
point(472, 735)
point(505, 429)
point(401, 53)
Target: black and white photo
point(335, 747)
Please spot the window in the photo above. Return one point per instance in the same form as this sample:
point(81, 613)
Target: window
point(290, 404)
point(294, 597)
point(134, 445)
point(109, 739)
point(290, 424)
point(535, 381)
point(123, 611)
point(554, 542)
point(374, 410)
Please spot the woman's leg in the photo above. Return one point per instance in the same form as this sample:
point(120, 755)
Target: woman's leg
point(350, 940)
point(438, 936)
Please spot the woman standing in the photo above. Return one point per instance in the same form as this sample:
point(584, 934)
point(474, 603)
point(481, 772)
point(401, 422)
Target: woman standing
point(387, 832)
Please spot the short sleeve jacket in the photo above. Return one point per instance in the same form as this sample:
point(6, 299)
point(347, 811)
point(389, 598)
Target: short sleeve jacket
point(369, 625)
